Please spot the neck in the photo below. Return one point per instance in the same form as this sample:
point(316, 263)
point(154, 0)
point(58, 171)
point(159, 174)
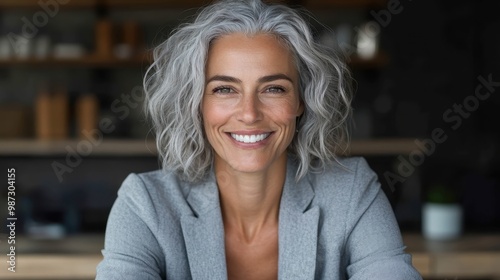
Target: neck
point(250, 201)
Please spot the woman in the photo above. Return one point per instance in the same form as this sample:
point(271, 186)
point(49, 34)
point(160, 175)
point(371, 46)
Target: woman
point(249, 113)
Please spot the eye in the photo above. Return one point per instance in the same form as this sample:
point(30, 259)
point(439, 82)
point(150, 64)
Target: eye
point(223, 90)
point(275, 89)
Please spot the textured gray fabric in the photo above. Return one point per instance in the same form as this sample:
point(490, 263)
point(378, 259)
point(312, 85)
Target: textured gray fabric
point(336, 224)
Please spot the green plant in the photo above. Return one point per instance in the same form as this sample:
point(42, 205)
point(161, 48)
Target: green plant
point(439, 193)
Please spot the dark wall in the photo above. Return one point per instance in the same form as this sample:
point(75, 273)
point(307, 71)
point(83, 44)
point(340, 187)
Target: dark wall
point(444, 74)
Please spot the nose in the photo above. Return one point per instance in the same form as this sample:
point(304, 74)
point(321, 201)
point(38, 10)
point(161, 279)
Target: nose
point(250, 109)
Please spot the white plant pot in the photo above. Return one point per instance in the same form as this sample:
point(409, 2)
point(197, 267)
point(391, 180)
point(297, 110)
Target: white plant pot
point(441, 221)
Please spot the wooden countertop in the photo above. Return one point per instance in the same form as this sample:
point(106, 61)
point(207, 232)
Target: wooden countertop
point(472, 256)
point(416, 243)
point(52, 266)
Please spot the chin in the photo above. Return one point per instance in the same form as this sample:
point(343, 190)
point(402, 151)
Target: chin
point(250, 166)
point(242, 162)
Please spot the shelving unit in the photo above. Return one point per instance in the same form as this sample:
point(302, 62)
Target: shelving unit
point(130, 147)
point(102, 75)
point(108, 63)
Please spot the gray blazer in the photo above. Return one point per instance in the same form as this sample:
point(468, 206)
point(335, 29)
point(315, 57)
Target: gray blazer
point(336, 224)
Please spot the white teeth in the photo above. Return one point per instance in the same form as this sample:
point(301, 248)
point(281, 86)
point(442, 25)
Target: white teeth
point(249, 138)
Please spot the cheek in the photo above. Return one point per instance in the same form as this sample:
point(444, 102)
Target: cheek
point(213, 114)
point(286, 111)
point(209, 122)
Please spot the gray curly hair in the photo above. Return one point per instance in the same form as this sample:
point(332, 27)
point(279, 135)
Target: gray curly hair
point(175, 82)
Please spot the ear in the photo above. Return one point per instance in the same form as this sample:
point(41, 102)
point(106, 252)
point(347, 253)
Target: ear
point(300, 110)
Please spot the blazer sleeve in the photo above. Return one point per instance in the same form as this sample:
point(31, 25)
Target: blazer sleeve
point(130, 250)
point(374, 245)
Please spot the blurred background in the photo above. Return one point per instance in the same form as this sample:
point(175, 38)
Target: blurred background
point(425, 117)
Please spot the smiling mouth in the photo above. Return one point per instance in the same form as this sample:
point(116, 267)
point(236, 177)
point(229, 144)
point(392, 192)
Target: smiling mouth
point(250, 138)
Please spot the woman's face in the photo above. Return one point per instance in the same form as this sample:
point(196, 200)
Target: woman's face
point(251, 101)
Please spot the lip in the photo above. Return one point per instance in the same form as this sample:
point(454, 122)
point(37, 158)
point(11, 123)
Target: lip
point(249, 132)
point(249, 145)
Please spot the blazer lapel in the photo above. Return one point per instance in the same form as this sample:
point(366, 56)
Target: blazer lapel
point(204, 233)
point(298, 229)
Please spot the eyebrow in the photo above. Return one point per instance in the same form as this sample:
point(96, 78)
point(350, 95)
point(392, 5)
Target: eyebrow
point(264, 79)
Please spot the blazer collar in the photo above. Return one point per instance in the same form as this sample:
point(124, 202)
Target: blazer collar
point(203, 229)
point(298, 227)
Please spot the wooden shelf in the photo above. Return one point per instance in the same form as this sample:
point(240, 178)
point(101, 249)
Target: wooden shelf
point(380, 60)
point(381, 147)
point(310, 4)
point(87, 61)
point(120, 147)
point(115, 147)
point(175, 4)
point(145, 4)
point(332, 4)
point(91, 61)
point(33, 4)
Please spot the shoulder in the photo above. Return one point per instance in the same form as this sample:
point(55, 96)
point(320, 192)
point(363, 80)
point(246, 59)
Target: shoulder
point(347, 182)
point(346, 173)
point(155, 194)
point(154, 183)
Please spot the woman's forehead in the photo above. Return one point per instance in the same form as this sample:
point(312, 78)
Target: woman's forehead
point(238, 51)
